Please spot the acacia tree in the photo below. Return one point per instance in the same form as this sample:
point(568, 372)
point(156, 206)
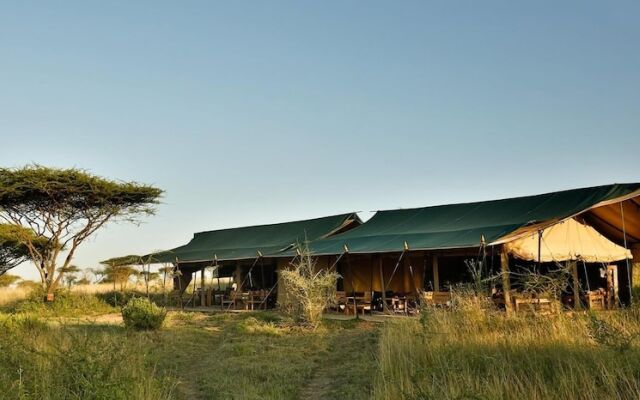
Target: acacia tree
point(70, 277)
point(12, 249)
point(65, 207)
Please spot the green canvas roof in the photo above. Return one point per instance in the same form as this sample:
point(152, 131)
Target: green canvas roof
point(463, 225)
point(247, 242)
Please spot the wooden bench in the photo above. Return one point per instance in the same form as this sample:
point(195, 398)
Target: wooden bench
point(535, 304)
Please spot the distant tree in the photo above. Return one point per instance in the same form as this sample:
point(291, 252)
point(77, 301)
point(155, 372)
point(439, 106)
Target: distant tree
point(118, 275)
point(70, 275)
point(28, 284)
point(66, 206)
point(133, 260)
point(85, 277)
point(8, 280)
point(12, 248)
point(83, 281)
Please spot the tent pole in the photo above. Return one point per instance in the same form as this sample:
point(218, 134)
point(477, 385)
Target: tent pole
point(259, 256)
point(370, 286)
point(436, 275)
point(586, 275)
point(506, 284)
point(395, 268)
point(539, 248)
point(262, 273)
point(202, 297)
point(353, 288)
point(382, 286)
point(337, 260)
point(577, 304)
point(624, 235)
point(179, 274)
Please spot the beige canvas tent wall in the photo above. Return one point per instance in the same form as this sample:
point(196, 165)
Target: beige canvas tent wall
point(567, 240)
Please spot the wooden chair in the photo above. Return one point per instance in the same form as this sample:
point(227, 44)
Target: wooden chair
point(256, 297)
point(341, 301)
point(361, 303)
point(229, 301)
point(399, 305)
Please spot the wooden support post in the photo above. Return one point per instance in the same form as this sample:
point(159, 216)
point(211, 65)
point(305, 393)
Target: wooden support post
point(635, 266)
point(382, 285)
point(237, 277)
point(436, 273)
point(577, 304)
point(203, 300)
point(506, 281)
point(407, 278)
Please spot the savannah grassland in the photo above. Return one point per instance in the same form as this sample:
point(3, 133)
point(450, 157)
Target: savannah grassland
point(79, 349)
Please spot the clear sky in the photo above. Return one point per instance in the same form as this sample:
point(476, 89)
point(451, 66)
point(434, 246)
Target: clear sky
point(267, 111)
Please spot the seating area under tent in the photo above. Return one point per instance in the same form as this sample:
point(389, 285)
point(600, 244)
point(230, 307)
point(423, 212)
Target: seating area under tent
point(242, 261)
point(399, 259)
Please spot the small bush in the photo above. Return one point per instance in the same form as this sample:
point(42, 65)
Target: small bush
point(308, 290)
point(142, 314)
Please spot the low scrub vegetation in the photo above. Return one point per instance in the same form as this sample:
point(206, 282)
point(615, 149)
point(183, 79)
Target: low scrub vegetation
point(141, 314)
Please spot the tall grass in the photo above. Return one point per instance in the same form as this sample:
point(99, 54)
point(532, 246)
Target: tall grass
point(42, 361)
point(471, 352)
point(10, 295)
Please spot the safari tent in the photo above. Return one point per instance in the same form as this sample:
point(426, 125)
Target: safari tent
point(249, 254)
point(403, 254)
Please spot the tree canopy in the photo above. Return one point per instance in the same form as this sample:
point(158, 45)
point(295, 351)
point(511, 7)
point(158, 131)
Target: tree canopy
point(65, 207)
point(13, 250)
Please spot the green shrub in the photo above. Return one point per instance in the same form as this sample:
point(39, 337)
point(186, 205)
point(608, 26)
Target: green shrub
point(141, 314)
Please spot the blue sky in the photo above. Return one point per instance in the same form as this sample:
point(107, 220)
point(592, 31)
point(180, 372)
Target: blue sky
point(259, 112)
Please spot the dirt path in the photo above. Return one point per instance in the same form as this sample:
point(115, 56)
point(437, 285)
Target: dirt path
point(348, 367)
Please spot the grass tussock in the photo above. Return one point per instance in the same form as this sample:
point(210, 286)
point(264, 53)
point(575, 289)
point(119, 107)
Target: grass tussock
point(474, 352)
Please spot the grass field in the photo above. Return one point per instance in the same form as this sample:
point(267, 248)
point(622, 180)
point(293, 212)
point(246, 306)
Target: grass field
point(195, 356)
point(73, 352)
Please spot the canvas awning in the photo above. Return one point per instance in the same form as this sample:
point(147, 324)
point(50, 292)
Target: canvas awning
point(466, 225)
point(567, 240)
point(250, 241)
